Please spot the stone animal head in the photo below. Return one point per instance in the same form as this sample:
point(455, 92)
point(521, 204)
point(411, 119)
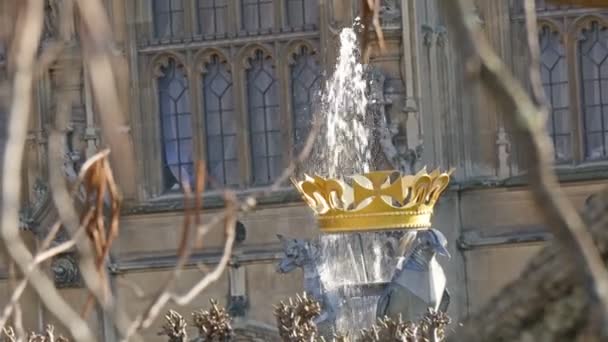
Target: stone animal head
point(433, 240)
point(298, 253)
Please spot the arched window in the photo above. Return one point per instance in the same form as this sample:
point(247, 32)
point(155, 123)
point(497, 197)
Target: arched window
point(212, 16)
point(554, 74)
point(220, 124)
point(176, 125)
point(257, 14)
point(264, 120)
point(302, 13)
point(305, 85)
point(168, 18)
point(593, 53)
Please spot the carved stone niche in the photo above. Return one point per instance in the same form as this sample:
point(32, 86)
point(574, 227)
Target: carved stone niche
point(390, 14)
point(66, 272)
point(390, 133)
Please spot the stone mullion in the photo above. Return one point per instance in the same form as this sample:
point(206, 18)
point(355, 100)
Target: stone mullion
point(232, 16)
point(240, 104)
point(324, 33)
point(574, 84)
point(198, 133)
point(189, 18)
point(152, 144)
point(134, 109)
point(279, 15)
point(281, 69)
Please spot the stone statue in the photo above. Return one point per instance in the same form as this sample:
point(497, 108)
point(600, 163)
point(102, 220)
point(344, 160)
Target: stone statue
point(305, 254)
point(419, 282)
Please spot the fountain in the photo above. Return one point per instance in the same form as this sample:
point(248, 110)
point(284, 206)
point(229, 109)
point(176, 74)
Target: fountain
point(376, 250)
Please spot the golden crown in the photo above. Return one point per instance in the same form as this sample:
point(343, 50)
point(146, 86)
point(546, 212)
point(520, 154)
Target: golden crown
point(374, 201)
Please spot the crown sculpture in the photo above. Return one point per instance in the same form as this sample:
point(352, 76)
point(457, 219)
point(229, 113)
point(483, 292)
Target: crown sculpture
point(380, 200)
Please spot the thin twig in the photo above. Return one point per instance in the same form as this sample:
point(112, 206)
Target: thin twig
point(40, 257)
point(25, 54)
point(559, 213)
point(18, 316)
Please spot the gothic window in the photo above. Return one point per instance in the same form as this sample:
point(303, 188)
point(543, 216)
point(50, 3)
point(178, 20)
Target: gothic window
point(554, 74)
point(305, 86)
point(301, 13)
point(593, 52)
point(168, 18)
point(220, 124)
point(176, 125)
point(257, 14)
point(264, 120)
point(212, 16)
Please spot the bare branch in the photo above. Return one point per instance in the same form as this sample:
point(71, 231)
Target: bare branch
point(26, 48)
point(534, 50)
point(559, 213)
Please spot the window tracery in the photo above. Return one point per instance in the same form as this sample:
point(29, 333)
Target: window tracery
point(302, 13)
point(264, 119)
point(573, 52)
point(176, 125)
point(593, 52)
point(305, 85)
point(257, 14)
point(212, 16)
point(237, 103)
point(168, 18)
point(220, 123)
point(554, 75)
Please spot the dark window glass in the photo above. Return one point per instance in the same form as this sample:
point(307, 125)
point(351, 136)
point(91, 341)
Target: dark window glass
point(257, 14)
point(212, 16)
point(220, 124)
point(168, 18)
point(554, 74)
point(302, 13)
point(264, 120)
point(176, 126)
point(593, 51)
point(305, 86)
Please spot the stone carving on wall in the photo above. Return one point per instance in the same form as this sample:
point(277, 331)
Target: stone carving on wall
point(503, 151)
point(58, 20)
point(391, 134)
point(51, 19)
point(65, 271)
point(39, 198)
point(434, 35)
point(390, 14)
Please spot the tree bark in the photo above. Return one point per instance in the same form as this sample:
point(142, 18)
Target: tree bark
point(547, 302)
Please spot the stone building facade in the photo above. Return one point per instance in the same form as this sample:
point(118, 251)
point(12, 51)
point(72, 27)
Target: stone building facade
point(234, 81)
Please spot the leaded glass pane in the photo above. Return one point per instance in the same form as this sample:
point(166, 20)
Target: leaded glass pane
point(212, 16)
point(305, 86)
point(593, 52)
point(257, 14)
point(220, 122)
point(264, 121)
point(554, 75)
point(301, 13)
point(168, 18)
point(176, 126)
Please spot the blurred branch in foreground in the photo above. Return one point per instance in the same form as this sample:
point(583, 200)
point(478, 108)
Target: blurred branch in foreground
point(560, 215)
point(93, 205)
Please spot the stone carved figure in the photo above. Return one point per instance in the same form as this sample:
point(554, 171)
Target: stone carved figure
point(65, 271)
point(305, 254)
point(391, 136)
point(419, 282)
point(390, 14)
